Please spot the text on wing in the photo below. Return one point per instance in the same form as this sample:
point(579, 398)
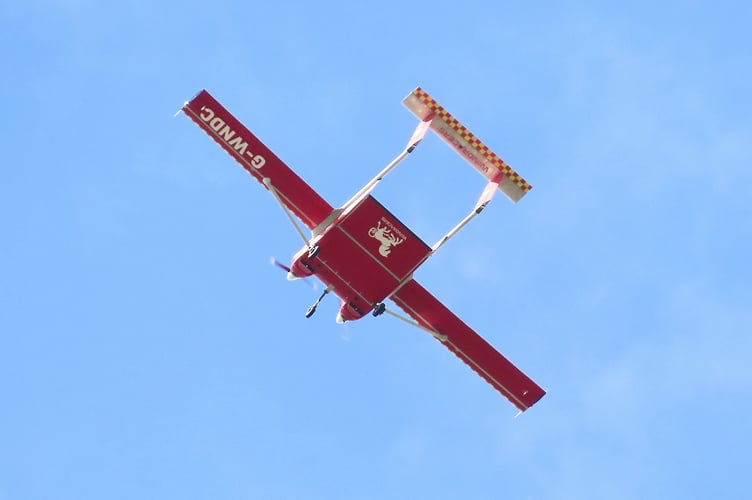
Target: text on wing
point(229, 136)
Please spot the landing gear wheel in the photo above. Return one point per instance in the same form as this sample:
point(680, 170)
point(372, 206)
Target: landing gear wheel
point(379, 309)
point(312, 309)
point(313, 251)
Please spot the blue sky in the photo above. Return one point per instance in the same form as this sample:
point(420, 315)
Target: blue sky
point(148, 349)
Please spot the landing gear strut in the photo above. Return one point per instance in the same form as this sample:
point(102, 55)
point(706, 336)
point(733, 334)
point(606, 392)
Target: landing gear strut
point(312, 309)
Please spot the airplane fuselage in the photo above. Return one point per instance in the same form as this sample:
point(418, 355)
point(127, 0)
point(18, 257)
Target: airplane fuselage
point(365, 254)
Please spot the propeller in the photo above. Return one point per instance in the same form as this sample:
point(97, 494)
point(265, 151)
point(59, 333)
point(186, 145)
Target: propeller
point(286, 268)
point(277, 263)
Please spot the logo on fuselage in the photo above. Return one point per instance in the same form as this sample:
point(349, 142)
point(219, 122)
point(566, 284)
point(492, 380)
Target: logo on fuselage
point(387, 235)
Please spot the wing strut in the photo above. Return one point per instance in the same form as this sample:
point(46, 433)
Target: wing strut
point(435, 334)
point(268, 183)
point(470, 347)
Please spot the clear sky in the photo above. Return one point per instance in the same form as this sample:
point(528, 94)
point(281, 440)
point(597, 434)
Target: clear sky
point(149, 351)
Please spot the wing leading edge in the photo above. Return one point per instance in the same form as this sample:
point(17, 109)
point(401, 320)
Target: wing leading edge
point(470, 347)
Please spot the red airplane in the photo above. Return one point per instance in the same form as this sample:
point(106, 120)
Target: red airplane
point(362, 252)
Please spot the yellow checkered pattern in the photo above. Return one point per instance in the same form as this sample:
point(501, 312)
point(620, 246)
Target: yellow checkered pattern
point(474, 142)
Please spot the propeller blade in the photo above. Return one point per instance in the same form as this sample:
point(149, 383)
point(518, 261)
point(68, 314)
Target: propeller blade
point(280, 265)
point(277, 263)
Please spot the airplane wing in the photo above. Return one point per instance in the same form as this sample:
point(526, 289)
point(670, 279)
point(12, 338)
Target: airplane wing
point(470, 347)
point(257, 159)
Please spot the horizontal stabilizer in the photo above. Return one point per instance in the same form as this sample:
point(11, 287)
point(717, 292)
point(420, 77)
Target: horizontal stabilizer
point(466, 144)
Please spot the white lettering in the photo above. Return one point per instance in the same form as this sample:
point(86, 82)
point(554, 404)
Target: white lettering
point(238, 144)
point(217, 123)
point(393, 228)
point(227, 133)
point(258, 161)
point(229, 136)
point(206, 114)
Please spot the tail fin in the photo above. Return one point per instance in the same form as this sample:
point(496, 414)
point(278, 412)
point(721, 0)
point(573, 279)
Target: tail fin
point(466, 144)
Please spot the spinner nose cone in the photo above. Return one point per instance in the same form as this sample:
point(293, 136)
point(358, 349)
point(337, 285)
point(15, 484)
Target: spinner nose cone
point(291, 277)
point(339, 319)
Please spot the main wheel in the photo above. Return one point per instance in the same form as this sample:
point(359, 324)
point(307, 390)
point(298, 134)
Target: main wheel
point(379, 309)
